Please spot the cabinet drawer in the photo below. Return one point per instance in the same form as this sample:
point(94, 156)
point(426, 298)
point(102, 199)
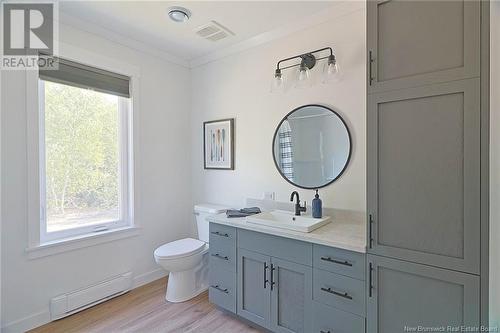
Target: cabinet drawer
point(339, 261)
point(279, 247)
point(222, 256)
point(222, 290)
point(331, 320)
point(222, 234)
point(339, 291)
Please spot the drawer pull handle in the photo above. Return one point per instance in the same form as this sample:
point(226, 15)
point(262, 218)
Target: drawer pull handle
point(371, 60)
point(216, 255)
point(272, 276)
point(220, 289)
point(265, 275)
point(325, 331)
point(370, 280)
point(219, 234)
point(335, 261)
point(331, 291)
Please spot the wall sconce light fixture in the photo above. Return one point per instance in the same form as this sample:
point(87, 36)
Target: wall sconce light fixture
point(302, 77)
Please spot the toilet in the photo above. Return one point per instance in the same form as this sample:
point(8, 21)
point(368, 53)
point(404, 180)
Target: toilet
point(186, 259)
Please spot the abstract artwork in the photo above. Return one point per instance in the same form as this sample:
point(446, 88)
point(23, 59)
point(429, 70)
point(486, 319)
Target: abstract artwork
point(218, 144)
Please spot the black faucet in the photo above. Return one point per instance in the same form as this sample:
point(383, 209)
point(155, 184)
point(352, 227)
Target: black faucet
point(298, 207)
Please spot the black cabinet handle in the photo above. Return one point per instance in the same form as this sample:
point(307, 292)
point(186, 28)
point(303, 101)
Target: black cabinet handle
point(370, 64)
point(265, 275)
point(219, 234)
point(216, 255)
point(370, 227)
point(325, 331)
point(335, 261)
point(220, 289)
point(337, 293)
point(272, 276)
point(370, 279)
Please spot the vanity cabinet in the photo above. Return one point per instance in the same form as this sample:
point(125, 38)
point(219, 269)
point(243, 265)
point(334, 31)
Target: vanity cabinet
point(274, 292)
point(254, 292)
point(404, 294)
point(413, 43)
point(290, 297)
point(327, 319)
point(287, 285)
point(222, 266)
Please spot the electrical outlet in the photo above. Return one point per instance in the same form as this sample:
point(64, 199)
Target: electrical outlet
point(269, 195)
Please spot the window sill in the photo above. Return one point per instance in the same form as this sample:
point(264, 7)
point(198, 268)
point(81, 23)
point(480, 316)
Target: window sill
point(74, 243)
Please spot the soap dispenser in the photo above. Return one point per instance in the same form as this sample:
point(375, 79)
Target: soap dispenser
point(317, 211)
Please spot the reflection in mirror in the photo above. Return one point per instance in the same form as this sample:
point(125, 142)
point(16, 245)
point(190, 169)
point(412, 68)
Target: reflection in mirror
point(312, 146)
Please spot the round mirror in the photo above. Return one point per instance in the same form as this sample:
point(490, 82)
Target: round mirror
point(311, 146)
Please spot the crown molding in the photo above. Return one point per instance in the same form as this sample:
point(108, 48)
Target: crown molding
point(95, 29)
point(335, 11)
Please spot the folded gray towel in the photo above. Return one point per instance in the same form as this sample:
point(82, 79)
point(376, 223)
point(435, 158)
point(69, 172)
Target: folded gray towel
point(242, 212)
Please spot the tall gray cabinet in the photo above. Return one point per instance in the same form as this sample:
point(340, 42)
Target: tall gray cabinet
point(424, 143)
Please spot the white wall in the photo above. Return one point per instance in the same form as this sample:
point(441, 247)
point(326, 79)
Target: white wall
point(163, 187)
point(238, 86)
point(495, 164)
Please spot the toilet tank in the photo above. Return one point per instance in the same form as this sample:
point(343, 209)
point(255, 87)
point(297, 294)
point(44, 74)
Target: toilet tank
point(202, 211)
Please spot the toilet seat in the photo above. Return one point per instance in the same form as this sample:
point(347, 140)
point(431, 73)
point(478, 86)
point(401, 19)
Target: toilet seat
point(179, 248)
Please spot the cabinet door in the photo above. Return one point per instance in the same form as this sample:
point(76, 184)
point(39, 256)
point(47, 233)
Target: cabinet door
point(412, 43)
point(254, 298)
point(291, 297)
point(423, 183)
point(403, 294)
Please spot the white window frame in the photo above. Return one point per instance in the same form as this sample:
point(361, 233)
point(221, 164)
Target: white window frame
point(41, 243)
point(126, 215)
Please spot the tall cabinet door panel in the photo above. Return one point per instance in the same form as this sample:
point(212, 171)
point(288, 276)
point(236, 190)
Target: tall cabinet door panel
point(291, 297)
point(405, 294)
point(254, 296)
point(423, 175)
point(440, 43)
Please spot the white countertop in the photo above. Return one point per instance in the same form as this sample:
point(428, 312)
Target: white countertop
point(342, 232)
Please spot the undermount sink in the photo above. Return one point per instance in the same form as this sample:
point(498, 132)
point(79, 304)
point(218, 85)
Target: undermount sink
point(287, 220)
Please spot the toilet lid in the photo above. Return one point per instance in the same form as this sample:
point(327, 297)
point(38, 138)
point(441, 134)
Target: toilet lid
point(180, 248)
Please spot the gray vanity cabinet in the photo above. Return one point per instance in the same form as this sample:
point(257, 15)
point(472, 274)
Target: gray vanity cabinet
point(290, 297)
point(413, 43)
point(274, 293)
point(403, 294)
point(254, 291)
point(286, 285)
point(423, 181)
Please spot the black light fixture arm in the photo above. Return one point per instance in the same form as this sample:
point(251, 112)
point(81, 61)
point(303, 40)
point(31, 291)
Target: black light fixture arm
point(307, 59)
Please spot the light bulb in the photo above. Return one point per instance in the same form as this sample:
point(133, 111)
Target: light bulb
point(278, 83)
point(303, 77)
point(331, 70)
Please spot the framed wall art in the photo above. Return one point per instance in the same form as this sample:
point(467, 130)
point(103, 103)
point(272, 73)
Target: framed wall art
point(218, 144)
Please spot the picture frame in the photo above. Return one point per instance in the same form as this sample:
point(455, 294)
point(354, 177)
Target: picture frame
point(218, 144)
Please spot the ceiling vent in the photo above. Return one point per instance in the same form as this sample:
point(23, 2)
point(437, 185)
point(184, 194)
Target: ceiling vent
point(213, 31)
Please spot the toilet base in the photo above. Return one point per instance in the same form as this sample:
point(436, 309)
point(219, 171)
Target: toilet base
point(184, 285)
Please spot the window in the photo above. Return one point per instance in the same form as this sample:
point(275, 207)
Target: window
point(85, 151)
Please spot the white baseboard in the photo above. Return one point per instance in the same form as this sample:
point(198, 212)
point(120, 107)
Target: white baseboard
point(28, 323)
point(43, 317)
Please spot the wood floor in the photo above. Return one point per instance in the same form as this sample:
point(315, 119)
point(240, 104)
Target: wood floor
point(145, 310)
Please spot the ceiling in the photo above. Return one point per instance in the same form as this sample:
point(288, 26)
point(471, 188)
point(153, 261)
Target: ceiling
point(148, 22)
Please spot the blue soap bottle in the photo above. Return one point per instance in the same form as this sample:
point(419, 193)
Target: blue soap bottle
point(317, 211)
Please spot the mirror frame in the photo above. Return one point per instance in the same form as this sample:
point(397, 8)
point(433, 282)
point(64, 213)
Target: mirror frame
point(348, 157)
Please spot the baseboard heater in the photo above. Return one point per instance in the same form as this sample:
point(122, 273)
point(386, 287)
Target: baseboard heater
point(78, 300)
